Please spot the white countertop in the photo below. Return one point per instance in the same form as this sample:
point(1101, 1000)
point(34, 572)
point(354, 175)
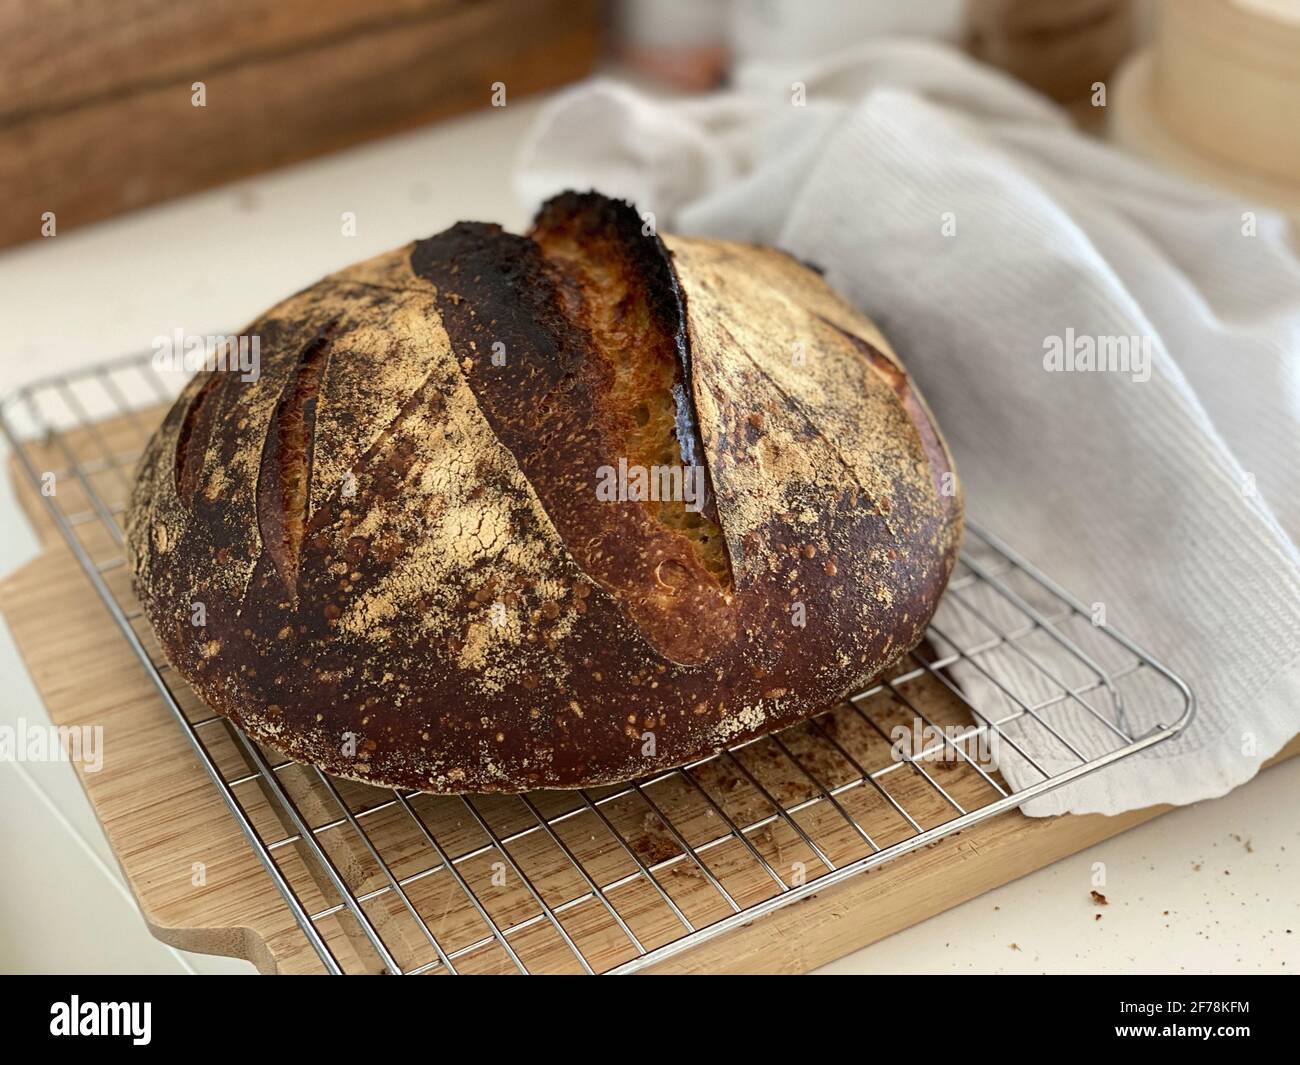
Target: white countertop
point(1209, 888)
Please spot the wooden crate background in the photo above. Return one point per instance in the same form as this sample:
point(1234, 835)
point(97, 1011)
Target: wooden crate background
point(95, 98)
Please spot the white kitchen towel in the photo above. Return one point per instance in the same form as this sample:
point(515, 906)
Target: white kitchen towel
point(966, 216)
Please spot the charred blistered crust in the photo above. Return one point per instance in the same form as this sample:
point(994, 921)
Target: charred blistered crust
point(407, 571)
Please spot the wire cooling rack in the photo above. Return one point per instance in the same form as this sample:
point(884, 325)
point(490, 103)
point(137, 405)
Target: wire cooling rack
point(1018, 689)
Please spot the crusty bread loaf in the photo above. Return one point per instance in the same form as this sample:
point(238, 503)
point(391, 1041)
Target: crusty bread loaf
point(412, 536)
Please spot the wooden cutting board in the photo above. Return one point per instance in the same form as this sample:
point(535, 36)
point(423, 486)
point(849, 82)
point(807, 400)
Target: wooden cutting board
point(200, 886)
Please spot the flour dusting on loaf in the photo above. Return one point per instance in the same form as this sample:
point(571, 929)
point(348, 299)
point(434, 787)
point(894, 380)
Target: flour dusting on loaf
point(412, 565)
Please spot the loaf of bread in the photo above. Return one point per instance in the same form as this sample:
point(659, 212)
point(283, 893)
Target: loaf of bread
point(559, 510)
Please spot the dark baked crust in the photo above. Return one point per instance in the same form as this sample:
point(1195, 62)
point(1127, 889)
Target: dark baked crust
point(407, 576)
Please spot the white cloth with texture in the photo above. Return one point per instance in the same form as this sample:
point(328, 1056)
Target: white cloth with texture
point(969, 219)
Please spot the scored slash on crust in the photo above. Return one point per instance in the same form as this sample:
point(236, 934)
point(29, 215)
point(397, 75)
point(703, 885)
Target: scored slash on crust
point(195, 431)
point(284, 477)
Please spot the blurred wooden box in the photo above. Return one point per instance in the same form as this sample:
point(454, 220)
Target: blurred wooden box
point(96, 111)
point(1217, 97)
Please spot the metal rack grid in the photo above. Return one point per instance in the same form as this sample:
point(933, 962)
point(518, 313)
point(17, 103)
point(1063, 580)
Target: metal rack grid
point(618, 878)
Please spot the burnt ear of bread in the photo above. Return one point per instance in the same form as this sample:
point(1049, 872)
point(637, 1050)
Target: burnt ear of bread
point(508, 512)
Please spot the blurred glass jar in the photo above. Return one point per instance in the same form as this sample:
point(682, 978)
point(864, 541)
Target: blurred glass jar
point(690, 44)
point(776, 31)
point(678, 43)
